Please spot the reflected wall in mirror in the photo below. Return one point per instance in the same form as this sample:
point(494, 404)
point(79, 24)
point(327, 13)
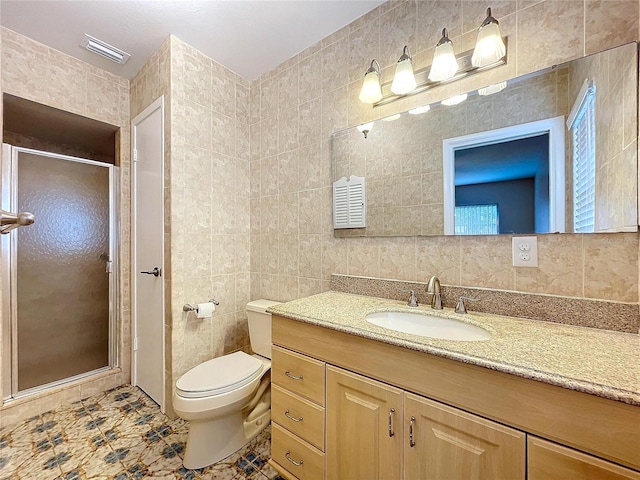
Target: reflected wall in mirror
point(509, 157)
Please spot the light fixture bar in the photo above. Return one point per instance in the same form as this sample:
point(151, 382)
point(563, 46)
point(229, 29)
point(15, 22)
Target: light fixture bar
point(104, 49)
point(424, 84)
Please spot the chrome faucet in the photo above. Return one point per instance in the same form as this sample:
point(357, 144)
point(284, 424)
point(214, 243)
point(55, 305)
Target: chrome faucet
point(433, 289)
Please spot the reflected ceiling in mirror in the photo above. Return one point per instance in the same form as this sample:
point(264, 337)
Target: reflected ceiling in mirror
point(425, 168)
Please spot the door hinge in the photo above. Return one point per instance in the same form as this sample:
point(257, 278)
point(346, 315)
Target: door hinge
point(109, 265)
point(135, 344)
point(135, 154)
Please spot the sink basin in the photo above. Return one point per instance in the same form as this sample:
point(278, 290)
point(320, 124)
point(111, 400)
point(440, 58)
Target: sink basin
point(426, 325)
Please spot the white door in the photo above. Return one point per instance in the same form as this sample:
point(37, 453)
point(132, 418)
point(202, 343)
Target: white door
point(147, 132)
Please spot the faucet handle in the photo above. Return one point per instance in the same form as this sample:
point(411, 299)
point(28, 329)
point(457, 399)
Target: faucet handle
point(413, 300)
point(461, 307)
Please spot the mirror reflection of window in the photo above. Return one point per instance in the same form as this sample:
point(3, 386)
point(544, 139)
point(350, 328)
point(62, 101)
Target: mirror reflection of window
point(583, 133)
point(477, 219)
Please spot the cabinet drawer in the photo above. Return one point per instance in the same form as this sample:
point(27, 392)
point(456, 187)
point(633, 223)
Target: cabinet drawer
point(296, 455)
point(548, 461)
point(298, 373)
point(298, 415)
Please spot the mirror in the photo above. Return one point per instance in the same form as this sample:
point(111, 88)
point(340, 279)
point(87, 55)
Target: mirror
point(504, 162)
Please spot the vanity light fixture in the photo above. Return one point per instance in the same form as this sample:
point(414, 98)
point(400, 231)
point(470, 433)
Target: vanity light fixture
point(391, 118)
point(419, 110)
point(491, 89)
point(489, 46)
point(455, 100)
point(404, 81)
point(489, 52)
point(104, 49)
point(371, 91)
point(365, 128)
point(444, 65)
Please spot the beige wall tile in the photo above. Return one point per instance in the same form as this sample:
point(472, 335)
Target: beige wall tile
point(559, 269)
point(623, 15)
point(439, 256)
point(611, 267)
point(485, 261)
point(545, 37)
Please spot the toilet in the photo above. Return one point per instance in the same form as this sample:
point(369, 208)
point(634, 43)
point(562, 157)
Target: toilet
point(227, 400)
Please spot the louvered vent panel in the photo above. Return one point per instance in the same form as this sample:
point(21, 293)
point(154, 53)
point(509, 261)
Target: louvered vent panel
point(349, 203)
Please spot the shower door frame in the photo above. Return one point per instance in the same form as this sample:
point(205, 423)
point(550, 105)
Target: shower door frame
point(9, 274)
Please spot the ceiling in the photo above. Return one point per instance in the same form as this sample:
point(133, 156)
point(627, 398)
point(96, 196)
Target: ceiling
point(249, 37)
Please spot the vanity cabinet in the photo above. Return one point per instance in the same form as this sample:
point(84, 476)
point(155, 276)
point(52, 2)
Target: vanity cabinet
point(298, 415)
point(548, 461)
point(468, 421)
point(364, 427)
point(376, 431)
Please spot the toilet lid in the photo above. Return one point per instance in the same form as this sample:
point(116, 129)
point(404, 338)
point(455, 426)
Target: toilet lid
point(219, 375)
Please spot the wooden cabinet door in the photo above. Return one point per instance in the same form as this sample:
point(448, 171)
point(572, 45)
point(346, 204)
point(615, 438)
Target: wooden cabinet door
point(549, 461)
point(449, 444)
point(359, 444)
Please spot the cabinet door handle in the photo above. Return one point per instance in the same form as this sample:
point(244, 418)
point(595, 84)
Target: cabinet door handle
point(288, 415)
point(391, 412)
point(297, 464)
point(288, 374)
point(411, 442)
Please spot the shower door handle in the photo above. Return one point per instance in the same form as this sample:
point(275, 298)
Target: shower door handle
point(156, 272)
point(10, 221)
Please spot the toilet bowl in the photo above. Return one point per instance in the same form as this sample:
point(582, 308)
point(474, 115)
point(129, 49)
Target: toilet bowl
point(227, 399)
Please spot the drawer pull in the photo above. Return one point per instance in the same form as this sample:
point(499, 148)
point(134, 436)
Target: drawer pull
point(288, 374)
point(297, 464)
point(411, 442)
point(391, 412)
point(288, 415)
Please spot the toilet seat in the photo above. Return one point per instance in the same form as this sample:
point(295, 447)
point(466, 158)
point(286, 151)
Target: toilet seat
point(219, 375)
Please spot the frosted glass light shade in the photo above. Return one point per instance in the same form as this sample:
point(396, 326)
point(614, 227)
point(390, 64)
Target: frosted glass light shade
point(404, 81)
point(365, 128)
point(371, 90)
point(455, 100)
point(489, 46)
point(419, 110)
point(444, 65)
point(491, 89)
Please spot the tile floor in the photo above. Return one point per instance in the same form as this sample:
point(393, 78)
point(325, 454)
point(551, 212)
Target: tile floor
point(117, 435)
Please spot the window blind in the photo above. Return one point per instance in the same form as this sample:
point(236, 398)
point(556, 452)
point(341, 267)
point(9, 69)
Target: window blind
point(582, 125)
point(476, 219)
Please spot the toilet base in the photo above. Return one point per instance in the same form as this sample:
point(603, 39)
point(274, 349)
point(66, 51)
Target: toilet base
point(206, 444)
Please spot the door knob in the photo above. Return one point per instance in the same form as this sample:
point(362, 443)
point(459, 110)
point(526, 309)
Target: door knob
point(156, 272)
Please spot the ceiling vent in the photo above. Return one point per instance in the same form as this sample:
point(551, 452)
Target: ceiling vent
point(108, 51)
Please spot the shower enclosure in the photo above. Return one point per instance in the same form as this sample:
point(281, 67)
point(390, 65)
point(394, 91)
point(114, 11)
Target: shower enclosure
point(58, 274)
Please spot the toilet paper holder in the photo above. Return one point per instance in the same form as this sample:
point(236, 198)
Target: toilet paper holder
point(187, 307)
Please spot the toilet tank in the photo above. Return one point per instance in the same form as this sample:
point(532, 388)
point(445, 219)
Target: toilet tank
point(260, 326)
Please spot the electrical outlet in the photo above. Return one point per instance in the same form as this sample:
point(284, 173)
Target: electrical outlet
point(525, 251)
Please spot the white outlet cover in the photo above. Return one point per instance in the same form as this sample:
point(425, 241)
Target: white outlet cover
point(524, 251)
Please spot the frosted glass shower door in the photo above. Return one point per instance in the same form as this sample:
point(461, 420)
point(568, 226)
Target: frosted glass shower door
point(61, 269)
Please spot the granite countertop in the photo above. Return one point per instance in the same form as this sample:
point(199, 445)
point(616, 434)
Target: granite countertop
point(598, 362)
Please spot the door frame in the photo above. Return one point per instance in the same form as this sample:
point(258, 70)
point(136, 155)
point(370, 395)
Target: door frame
point(8, 274)
point(158, 104)
point(553, 126)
